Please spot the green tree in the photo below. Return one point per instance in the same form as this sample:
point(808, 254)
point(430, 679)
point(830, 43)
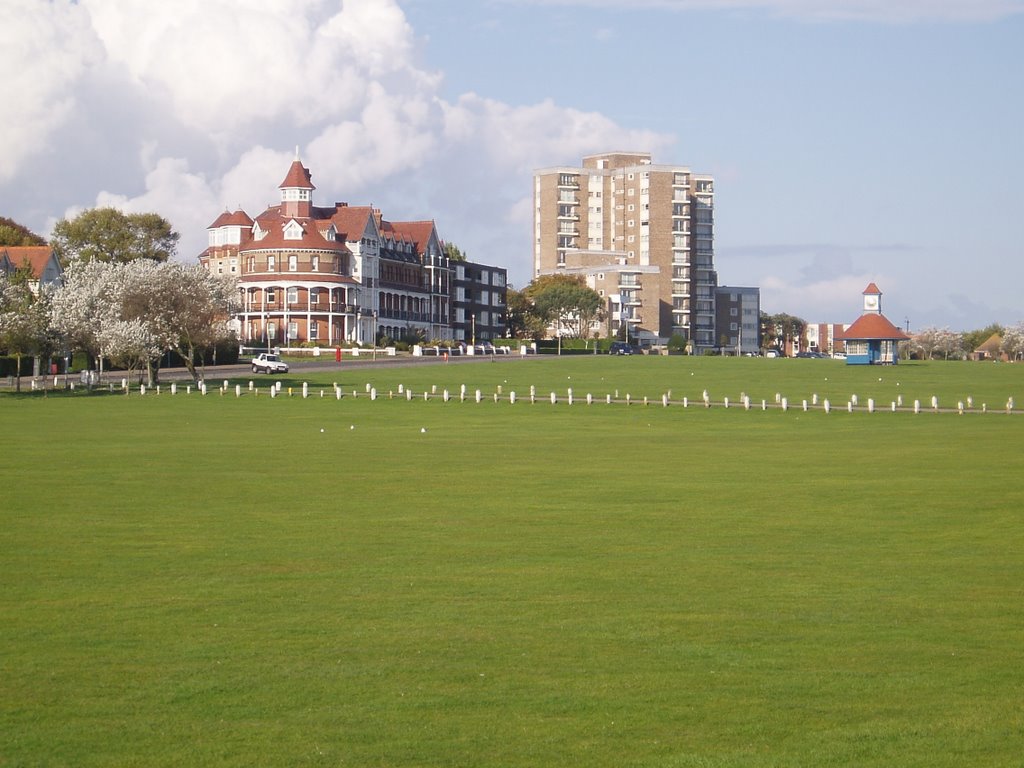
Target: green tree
point(107, 234)
point(13, 233)
point(451, 250)
point(782, 329)
point(566, 302)
point(523, 322)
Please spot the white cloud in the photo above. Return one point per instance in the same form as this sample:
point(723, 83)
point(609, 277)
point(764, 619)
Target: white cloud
point(47, 48)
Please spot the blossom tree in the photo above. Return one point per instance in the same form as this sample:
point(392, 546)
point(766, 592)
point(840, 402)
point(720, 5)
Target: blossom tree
point(86, 301)
point(24, 321)
point(126, 311)
point(1013, 341)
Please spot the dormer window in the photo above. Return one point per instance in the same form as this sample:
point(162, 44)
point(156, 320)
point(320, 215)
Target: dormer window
point(293, 231)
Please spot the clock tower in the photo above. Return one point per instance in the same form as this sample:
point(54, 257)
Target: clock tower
point(872, 300)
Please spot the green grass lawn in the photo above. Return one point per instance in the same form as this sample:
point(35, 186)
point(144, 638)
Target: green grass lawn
point(256, 581)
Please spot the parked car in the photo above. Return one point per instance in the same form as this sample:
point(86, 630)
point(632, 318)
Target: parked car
point(773, 353)
point(265, 362)
point(622, 348)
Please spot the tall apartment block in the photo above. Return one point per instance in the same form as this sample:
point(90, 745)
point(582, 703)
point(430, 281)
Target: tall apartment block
point(641, 234)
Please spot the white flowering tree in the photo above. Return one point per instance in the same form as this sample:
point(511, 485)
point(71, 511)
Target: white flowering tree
point(1013, 341)
point(24, 321)
point(144, 307)
point(933, 342)
point(186, 308)
point(86, 301)
point(129, 344)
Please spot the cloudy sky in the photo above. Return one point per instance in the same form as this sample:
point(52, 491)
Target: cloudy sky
point(851, 140)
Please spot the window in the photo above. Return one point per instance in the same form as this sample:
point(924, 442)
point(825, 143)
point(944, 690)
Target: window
point(293, 330)
point(312, 330)
point(293, 262)
point(271, 295)
point(293, 295)
point(314, 295)
point(316, 263)
point(271, 263)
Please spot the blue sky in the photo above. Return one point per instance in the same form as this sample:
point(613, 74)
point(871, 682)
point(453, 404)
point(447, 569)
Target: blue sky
point(852, 141)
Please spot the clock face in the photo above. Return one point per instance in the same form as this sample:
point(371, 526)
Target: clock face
point(870, 302)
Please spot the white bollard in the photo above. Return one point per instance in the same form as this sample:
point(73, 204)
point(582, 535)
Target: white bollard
point(935, 403)
point(814, 399)
point(764, 405)
point(609, 399)
point(960, 407)
point(871, 405)
point(408, 395)
point(664, 401)
point(570, 395)
point(725, 402)
point(828, 406)
point(917, 406)
point(238, 390)
point(686, 402)
point(590, 399)
point(401, 388)
point(251, 385)
point(305, 390)
point(554, 398)
point(445, 396)
point(373, 393)
point(849, 406)
point(142, 389)
point(746, 402)
point(894, 406)
point(478, 396)
point(853, 399)
point(805, 405)
point(337, 393)
point(785, 404)
point(273, 391)
point(512, 397)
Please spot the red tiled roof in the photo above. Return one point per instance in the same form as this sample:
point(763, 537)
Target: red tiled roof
point(417, 232)
point(239, 219)
point(872, 288)
point(298, 176)
point(36, 256)
point(351, 220)
point(872, 326)
point(221, 220)
point(275, 239)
